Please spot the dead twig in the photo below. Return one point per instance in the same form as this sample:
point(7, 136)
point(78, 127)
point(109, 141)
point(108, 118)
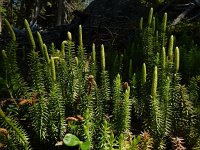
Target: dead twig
point(183, 14)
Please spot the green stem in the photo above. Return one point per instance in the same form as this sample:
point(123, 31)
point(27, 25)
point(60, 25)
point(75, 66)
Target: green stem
point(53, 70)
point(40, 42)
point(63, 48)
point(46, 53)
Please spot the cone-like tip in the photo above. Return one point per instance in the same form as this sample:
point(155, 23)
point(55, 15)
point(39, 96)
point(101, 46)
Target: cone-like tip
point(150, 17)
point(76, 61)
point(171, 46)
point(80, 36)
point(93, 53)
point(53, 70)
point(154, 82)
point(177, 59)
point(69, 36)
point(164, 22)
point(144, 74)
point(103, 64)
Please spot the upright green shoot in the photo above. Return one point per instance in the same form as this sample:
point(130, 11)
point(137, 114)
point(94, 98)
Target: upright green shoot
point(30, 35)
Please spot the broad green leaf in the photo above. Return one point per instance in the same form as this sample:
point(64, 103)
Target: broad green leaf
point(85, 145)
point(71, 140)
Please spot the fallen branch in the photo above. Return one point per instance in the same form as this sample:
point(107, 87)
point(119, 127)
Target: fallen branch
point(183, 14)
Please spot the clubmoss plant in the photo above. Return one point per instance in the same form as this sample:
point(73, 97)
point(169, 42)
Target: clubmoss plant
point(39, 111)
point(127, 107)
point(107, 138)
point(46, 54)
point(156, 113)
point(122, 107)
point(14, 81)
point(16, 133)
point(168, 107)
point(105, 84)
point(56, 107)
point(68, 86)
point(117, 103)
